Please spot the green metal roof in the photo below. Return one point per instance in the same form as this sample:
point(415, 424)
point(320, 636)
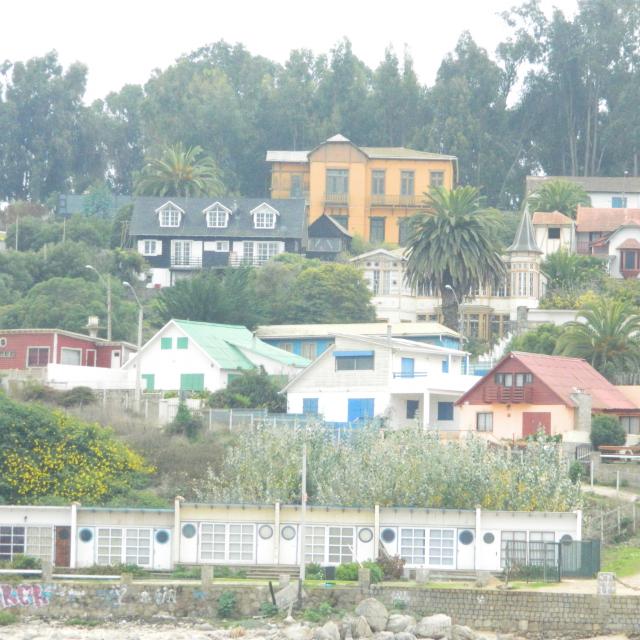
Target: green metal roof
point(224, 343)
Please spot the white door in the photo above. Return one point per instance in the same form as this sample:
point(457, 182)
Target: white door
point(181, 253)
point(488, 550)
point(288, 544)
point(466, 549)
point(116, 359)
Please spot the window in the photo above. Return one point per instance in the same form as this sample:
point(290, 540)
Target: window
point(412, 409)
point(221, 246)
point(212, 541)
point(436, 178)
point(181, 253)
point(314, 544)
point(309, 350)
point(377, 183)
point(381, 282)
point(40, 542)
point(192, 382)
point(441, 545)
point(619, 202)
point(264, 220)
point(241, 538)
point(504, 379)
point(404, 230)
point(407, 183)
point(631, 424)
point(217, 216)
point(138, 546)
point(182, 343)
point(376, 229)
point(70, 356)
point(542, 551)
point(149, 380)
point(296, 186)
point(630, 260)
point(513, 548)
point(342, 220)
point(523, 378)
point(166, 343)
point(37, 356)
point(445, 365)
point(554, 233)
point(354, 360)
point(445, 410)
point(266, 250)
point(109, 546)
point(247, 252)
point(149, 248)
point(286, 346)
point(340, 544)
point(484, 421)
point(310, 406)
point(337, 181)
point(413, 545)
point(169, 217)
point(11, 542)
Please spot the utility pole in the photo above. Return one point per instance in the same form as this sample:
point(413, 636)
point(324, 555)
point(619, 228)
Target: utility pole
point(303, 518)
point(108, 307)
point(140, 322)
point(17, 229)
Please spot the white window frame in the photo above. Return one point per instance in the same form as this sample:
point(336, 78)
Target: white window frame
point(138, 546)
point(185, 256)
point(442, 547)
point(221, 246)
point(39, 542)
point(264, 220)
point(10, 544)
point(315, 539)
point(541, 555)
point(109, 545)
point(413, 545)
point(64, 350)
point(227, 542)
point(519, 536)
point(213, 542)
point(242, 539)
point(149, 247)
point(217, 216)
point(264, 251)
point(170, 217)
point(37, 366)
point(340, 547)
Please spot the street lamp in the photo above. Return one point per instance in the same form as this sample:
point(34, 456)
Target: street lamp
point(107, 284)
point(140, 321)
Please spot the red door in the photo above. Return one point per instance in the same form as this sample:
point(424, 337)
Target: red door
point(63, 547)
point(533, 421)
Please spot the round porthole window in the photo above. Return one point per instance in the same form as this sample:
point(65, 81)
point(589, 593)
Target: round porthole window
point(488, 538)
point(188, 530)
point(566, 539)
point(466, 537)
point(288, 532)
point(365, 535)
point(64, 534)
point(162, 536)
point(86, 535)
point(3, 342)
point(265, 531)
point(388, 535)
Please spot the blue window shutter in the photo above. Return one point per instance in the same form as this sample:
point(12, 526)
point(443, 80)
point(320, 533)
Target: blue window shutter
point(310, 406)
point(445, 410)
point(445, 366)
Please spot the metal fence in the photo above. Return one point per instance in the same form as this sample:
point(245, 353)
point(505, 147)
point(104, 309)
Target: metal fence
point(610, 525)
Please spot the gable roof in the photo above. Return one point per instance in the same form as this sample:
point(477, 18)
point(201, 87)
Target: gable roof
point(71, 334)
point(291, 219)
point(225, 343)
point(525, 238)
point(563, 376)
point(590, 219)
point(551, 217)
point(396, 254)
point(629, 243)
point(591, 184)
point(287, 156)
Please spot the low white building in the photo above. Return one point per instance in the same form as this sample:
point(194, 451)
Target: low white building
point(361, 377)
point(193, 356)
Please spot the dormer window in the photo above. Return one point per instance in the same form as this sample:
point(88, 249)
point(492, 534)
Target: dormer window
point(169, 215)
point(217, 216)
point(264, 216)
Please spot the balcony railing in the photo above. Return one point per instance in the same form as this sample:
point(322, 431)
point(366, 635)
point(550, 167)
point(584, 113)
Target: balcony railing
point(178, 262)
point(507, 395)
point(410, 374)
point(248, 261)
point(385, 200)
point(336, 198)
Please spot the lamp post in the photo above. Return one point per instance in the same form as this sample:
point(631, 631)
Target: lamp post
point(140, 321)
point(107, 284)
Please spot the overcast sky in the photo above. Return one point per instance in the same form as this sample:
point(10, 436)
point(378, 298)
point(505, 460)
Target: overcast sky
point(122, 41)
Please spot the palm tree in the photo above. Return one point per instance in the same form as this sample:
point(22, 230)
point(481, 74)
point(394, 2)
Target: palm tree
point(571, 272)
point(180, 172)
point(559, 195)
point(606, 333)
point(453, 248)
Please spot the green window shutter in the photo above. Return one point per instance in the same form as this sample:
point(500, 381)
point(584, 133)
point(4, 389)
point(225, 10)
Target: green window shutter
point(150, 381)
point(166, 343)
point(192, 382)
point(182, 343)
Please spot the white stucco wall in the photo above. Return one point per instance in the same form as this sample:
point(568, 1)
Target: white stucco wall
point(623, 234)
point(159, 278)
point(333, 405)
point(604, 199)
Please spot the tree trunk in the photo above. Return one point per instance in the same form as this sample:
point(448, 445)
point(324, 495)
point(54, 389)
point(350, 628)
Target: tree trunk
point(450, 311)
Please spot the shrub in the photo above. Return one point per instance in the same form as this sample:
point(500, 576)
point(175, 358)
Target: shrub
point(313, 571)
point(347, 571)
point(185, 423)
point(318, 614)
point(21, 561)
point(76, 396)
point(376, 571)
point(227, 604)
point(607, 430)
point(392, 566)
point(576, 471)
point(7, 618)
point(268, 609)
point(189, 573)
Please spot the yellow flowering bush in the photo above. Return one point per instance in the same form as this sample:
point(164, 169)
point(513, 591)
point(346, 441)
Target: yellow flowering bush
point(46, 453)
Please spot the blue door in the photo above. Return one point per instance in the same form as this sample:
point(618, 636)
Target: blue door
point(407, 367)
point(360, 409)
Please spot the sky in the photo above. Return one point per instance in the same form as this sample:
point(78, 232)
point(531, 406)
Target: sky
point(123, 41)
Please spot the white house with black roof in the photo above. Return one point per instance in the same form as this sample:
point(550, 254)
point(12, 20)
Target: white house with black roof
point(178, 236)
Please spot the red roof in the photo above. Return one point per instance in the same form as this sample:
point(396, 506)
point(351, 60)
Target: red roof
point(629, 243)
point(551, 217)
point(590, 219)
point(564, 376)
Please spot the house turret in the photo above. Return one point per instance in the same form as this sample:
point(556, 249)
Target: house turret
point(523, 262)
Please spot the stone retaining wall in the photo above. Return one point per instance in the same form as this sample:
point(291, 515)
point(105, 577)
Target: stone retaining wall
point(525, 613)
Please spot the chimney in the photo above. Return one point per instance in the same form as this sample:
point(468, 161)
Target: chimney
point(93, 326)
point(582, 399)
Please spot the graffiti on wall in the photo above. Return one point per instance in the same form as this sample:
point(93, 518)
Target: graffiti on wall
point(165, 595)
point(24, 595)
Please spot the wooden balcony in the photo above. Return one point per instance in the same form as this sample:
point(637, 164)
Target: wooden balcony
point(186, 263)
point(507, 395)
point(385, 200)
point(336, 198)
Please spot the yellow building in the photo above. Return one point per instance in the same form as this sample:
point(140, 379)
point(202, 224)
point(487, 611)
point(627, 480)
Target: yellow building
point(369, 190)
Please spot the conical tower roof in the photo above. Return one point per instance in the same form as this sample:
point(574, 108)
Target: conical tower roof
point(525, 238)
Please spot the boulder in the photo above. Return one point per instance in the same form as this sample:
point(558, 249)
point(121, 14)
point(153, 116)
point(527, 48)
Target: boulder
point(332, 631)
point(320, 634)
point(345, 626)
point(436, 627)
point(298, 632)
point(384, 635)
point(398, 622)
point(404, 635)
point(374, 612)
point(360, 628)
point(460, 632)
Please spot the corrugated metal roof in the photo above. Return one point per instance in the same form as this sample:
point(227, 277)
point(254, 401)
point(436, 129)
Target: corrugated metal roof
point(402, 153)
point(589, 219)
point(591, 184)
point(551, 217)
point(225, 344)
point(287, 156)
